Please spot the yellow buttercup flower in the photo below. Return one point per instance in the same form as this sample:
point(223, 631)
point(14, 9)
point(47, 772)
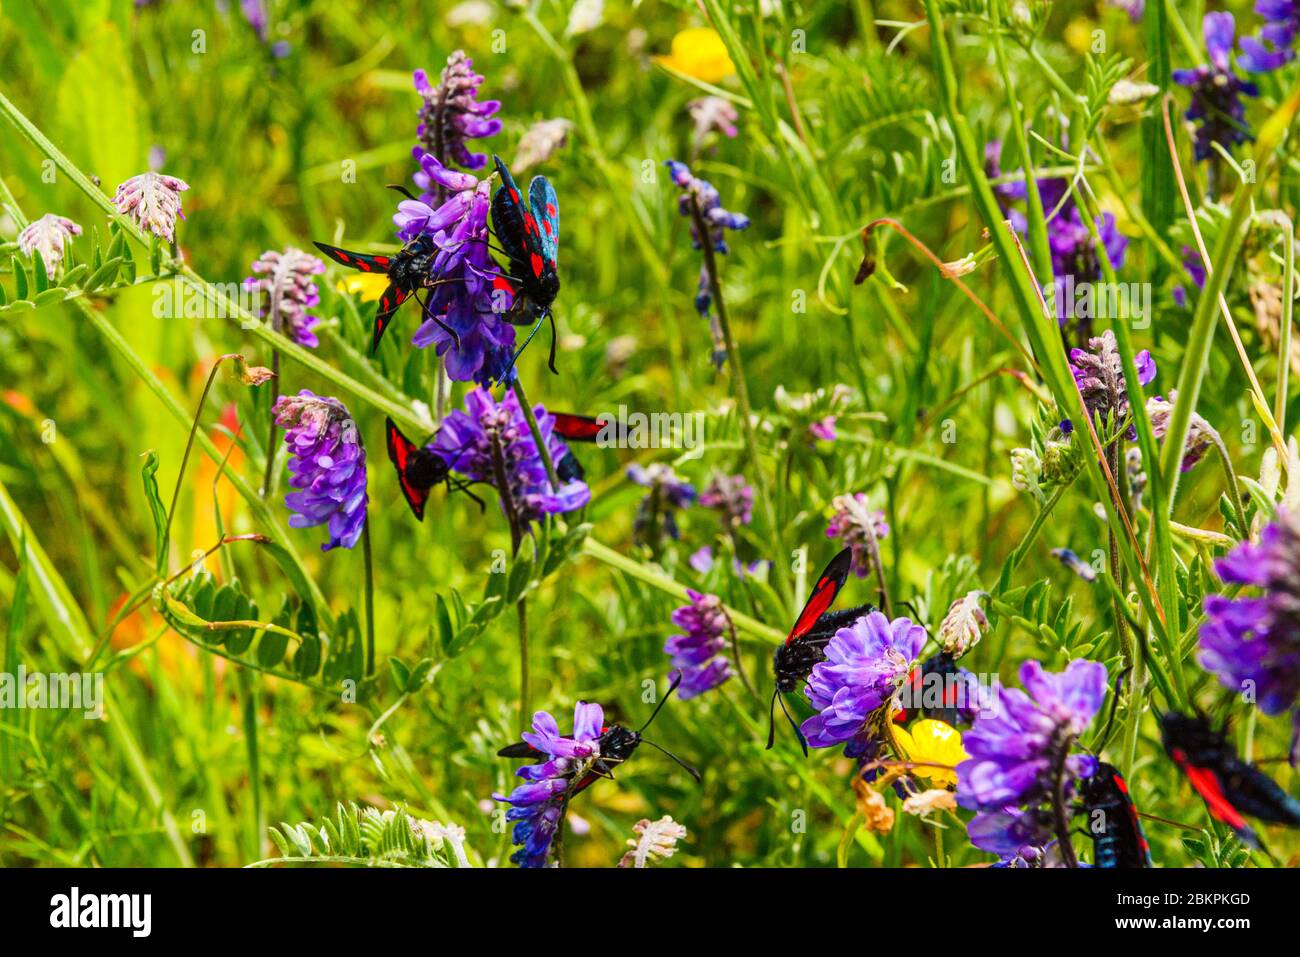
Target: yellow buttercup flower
point(699, 52)
point(932, 742)
point(368, 287)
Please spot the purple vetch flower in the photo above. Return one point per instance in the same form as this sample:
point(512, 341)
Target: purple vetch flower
point(730, 496)
point(667, 492)
point(491, 442)
point(1216, 107)
point(1200, 434)
point(1252, 644)
point(1134, 8)
point(716, 219)
point(1075, 257)
point(1195, 267)
point(286, 287)
point(153, 200)
point(702, 561)
point(860, 528)
point(701, 194)
point(470, 298)
point(255, 13)
point(699, 655)
point(537, 807)
point(47, 236)
point(1099, 375)
point(712, 114)
point(866, 665)
point(452, 114)
point(824, 429)
point(1274, 47)
point(1075, 564)
point(327, 464)
point(1022, 753)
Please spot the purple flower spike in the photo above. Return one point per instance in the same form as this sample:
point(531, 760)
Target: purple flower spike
point(537, 807)
point(730, 496)
point(1274, 47)
point(699, 654)
point(1216, 107)
point(47, 237)
point(1075, 256)
point(1099, 376)
point(452, 113)
point(327, 464)
point(866, 664)
point(716, 219)
point(1021, 748)
point(667, 493)
point(286, 287)
point(491, 442)
point(469, 299)
point(1200, 434)
point(859, 527)
point(1252, 644)
point(153, 200)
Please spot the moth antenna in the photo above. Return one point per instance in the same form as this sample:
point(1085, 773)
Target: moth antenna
point(662, 701)
point(1114, 706)
point(771, 720)
point(401, 189)
point(678, 761)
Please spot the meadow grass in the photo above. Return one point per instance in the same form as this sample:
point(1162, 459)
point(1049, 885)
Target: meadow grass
point(862, 132)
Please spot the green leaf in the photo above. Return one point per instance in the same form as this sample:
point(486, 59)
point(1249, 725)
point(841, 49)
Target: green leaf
point(104, 275)
point(149, 476)
point(20, 278)
point(40, 277)
point(401, 673)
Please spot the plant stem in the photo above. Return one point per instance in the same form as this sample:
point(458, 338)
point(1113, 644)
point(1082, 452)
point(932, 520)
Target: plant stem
point(516, 538)
point(1284, 331)
point(277, 324)
point(536, 431)
point(1063, 841)
point(657, 579)
point(525, 711)
point(738, 388)
point(367, 553)
point(185, 460)
point(249, 693)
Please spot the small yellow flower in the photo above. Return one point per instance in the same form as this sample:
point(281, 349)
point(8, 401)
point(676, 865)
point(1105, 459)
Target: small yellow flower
point(932, 742)
point(367, 286)
point(699, 52)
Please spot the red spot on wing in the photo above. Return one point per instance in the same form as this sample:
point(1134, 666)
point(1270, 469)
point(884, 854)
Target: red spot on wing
point(1206, 783)
point(399, 453)
point(578, 428)
point(382, 261)
point(536, 261)
point(530, 224)
point(822, 597)
point(551, 210)
point(388, 303)
point(546, 224)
